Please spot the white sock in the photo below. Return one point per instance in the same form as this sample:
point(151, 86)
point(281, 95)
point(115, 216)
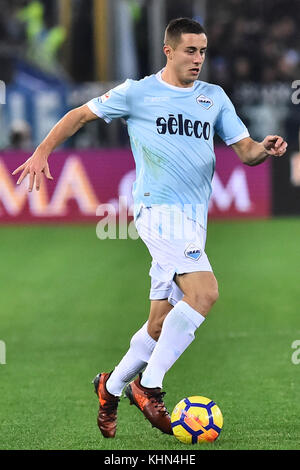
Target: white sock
point(134, 361)
point(176, 335)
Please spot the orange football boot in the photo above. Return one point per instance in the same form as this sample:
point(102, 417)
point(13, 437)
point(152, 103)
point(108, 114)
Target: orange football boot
point(150, 402)
point(107, 415)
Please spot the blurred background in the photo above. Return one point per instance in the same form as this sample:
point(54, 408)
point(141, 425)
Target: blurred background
point(62, 288)
point(57, 54)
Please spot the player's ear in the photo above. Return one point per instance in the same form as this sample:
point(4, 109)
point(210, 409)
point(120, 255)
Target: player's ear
point(168, 51)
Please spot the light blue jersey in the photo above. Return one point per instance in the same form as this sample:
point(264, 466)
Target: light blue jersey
point(171, 132)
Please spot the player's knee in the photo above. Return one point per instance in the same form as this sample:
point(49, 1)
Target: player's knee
point(156, 320)
point(211, 296)
point(154, 330)
point(154, 327)
point(204, 300)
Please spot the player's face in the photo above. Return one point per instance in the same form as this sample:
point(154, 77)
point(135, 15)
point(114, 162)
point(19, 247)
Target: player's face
point(188, 57)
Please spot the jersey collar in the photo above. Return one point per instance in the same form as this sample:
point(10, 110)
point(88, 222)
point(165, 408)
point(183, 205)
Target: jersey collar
point(173, 87)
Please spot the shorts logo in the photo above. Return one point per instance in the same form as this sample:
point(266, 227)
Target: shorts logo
point(204, 101)
point(193, 252)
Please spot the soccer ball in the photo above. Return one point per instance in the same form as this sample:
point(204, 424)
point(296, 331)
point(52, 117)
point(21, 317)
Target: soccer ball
point(196, 419)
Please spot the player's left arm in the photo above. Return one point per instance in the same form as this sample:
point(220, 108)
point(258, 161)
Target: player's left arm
point(253, 153)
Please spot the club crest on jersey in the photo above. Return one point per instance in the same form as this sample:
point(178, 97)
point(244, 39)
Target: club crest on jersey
point(204, 101)
point(193, 252)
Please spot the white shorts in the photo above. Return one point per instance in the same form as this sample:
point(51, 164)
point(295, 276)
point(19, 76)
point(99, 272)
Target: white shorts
point(176, 244)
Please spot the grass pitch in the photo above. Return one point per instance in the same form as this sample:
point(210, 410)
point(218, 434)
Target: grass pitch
point(70, 303)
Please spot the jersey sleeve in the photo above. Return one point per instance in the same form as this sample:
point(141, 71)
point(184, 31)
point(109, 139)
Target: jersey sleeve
point(229, 126)
point(113, 104)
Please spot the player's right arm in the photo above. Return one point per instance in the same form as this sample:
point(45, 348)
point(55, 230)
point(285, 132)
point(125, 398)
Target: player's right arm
point(65, 128)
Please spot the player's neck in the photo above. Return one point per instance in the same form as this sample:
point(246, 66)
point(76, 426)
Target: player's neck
point(171, 78)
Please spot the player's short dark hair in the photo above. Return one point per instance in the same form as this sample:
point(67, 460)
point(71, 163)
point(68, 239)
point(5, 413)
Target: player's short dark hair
point(180, 26)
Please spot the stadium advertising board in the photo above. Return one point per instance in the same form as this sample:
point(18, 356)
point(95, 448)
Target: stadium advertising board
point(286, 185)
point(86, 179)
point(239, 191)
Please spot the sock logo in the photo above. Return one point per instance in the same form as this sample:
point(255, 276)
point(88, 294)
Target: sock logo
point(193, 252)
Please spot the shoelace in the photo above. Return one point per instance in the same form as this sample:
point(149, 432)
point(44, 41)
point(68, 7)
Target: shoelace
point(110, 409)
point(157, 398)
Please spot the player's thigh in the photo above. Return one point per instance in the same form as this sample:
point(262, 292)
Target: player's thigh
point(159, 309)
point(200, 289)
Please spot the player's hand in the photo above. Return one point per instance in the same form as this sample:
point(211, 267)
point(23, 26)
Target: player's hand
point(34, 167)
point(275, 145)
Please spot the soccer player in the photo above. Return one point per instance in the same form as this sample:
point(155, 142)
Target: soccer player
point(172, 118)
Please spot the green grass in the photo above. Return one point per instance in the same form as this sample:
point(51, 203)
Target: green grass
point(70, 303)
